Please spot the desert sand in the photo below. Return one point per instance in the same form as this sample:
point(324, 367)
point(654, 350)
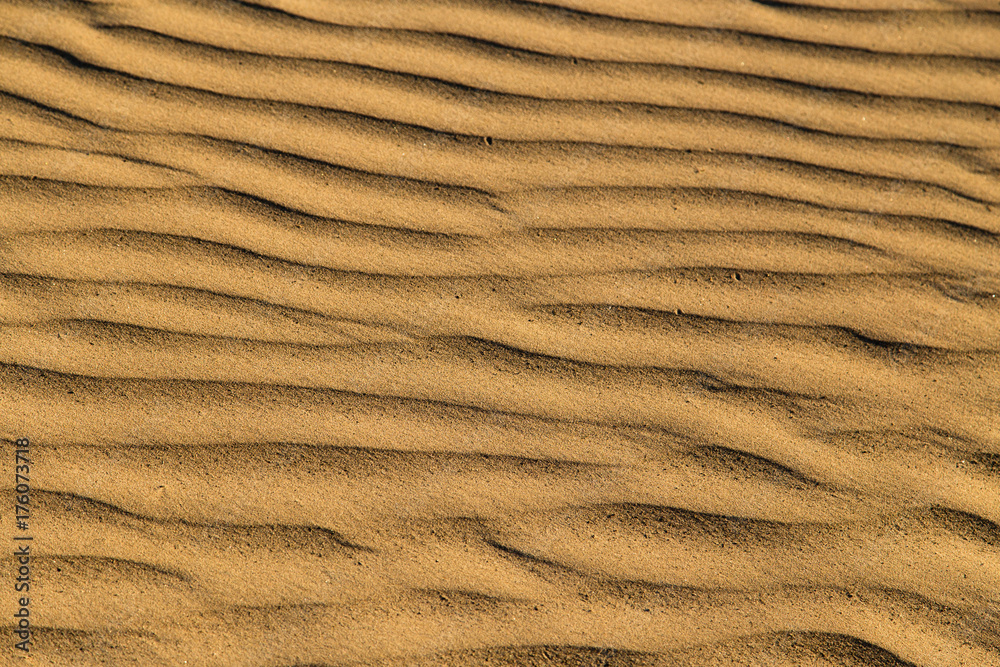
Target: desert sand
point(502, 332)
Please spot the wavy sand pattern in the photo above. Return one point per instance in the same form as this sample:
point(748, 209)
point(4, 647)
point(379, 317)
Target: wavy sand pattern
point(463, 332)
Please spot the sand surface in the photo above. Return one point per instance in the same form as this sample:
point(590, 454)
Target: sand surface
point(496, 332)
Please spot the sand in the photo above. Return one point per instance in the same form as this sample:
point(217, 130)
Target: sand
point(497, 332)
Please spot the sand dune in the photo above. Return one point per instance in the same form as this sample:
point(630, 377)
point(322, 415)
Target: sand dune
point(463, 332)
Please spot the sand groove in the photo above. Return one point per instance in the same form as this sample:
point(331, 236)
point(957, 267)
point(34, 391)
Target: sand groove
point(461, 332)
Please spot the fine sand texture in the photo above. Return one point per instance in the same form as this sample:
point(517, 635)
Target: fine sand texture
point(502, 332)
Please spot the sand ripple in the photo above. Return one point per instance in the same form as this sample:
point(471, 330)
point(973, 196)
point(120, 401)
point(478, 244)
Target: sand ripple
point(444, 332)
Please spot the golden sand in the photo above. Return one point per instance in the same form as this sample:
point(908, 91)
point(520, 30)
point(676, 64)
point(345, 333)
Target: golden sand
point(502, 332)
